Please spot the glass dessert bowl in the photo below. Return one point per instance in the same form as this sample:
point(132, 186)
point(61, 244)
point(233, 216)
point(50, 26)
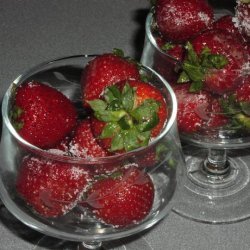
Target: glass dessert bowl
point(26, 167)
point(217, 179)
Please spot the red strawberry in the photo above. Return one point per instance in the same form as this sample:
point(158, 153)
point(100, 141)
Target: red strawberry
point(174, 50)
point(242, 96)
point(193, 108)
point(165, 65)
point(216, 60)
point(179, 20)
point(51, 188)
point(217, 118)
point(226, 23)
point(103, 71)
point(146, 91)
point(97, 128)
point(242, 93)
point(42, 115)
point(84, 144)
point(122, 199)
point(242, 18)
point(130, 114)
point(237, 106)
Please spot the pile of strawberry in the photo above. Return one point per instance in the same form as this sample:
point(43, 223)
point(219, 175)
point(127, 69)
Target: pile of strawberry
point(212, 71)
point(124, 113)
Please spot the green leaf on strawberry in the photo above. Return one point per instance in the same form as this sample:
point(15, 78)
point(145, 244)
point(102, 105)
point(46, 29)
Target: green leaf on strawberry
point(183, 77)
point(112, 94)
point(245, 107)
point(195, 67)
point(98, 105)
point(130, 138)
point(239, 112)
point(127, 98)
point(167, 46)
point(109, 130)
point(15, 114)
point(243, 120)
point(118, 52)
point(117, 142)
point(230, 106)
point(128, 125)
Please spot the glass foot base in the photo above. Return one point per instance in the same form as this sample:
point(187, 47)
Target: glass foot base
point(49, 243)
point(211, 198)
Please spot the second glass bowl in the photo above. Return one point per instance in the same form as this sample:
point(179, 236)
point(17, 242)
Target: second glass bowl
point(217, 179)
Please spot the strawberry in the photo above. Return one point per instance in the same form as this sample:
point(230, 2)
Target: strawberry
point(166, 63)
point(217, 118)
point(173, 49)
point(84, 144)
point(42, 115)
point(180, 20)
point(97, 129)
point(226, 23)
point(193, 108)
point(215, 60)
point(103, 71)
point(242, 98)
point(242, 93)
point(242, 18)
point(129, 114)
point(122, 199)
point(51, 188)
point(237, 107)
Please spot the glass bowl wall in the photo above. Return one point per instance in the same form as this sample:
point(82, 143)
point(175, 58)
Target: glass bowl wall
point(79, 225)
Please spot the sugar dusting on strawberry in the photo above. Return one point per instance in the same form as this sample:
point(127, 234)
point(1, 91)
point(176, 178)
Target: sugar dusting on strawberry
point(131, 109)
point(84, 144)
point(103, 71)
point(193, 108)
point(42, 115)
point(180, 20)
point(51, 188)
point(124, 199)
point(242, 18)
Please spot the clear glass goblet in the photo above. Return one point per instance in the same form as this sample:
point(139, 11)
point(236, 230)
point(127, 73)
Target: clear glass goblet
point(79, 225)
point(217, 179)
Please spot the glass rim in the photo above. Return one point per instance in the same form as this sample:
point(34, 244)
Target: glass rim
point(50, 155)
point(152, 39)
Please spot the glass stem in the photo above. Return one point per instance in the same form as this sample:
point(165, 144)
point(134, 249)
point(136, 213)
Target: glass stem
point(90, 245)
point(216, 163)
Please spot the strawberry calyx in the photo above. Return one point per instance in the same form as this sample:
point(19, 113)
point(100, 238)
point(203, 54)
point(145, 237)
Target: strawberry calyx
point(245, 107)
point(128, 124)
point(15, 114)
point(239, 111)
point(195, 67)
point(243, 120)
point(167, 46)
point(120, 53)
